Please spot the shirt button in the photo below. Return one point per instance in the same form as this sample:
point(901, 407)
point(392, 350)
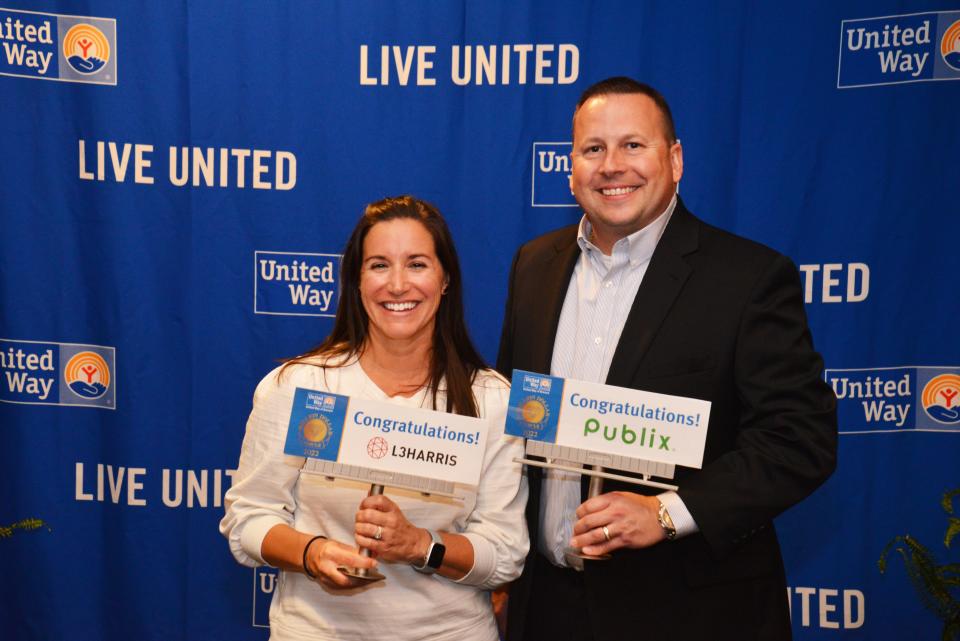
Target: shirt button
point(597, 340)
point(608, 284)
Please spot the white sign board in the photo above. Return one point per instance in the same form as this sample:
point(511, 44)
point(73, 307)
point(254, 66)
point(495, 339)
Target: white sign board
point(608, 419)
point(386, 437)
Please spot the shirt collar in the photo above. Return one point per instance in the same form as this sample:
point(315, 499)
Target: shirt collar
point(638, 246)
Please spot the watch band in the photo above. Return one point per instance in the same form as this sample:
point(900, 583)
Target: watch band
point(663, 517)
point(434, 557)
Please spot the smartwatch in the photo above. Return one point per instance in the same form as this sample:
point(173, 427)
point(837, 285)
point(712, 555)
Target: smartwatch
point(434, 558)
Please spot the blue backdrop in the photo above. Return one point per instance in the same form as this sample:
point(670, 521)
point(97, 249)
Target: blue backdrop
point(177, 180)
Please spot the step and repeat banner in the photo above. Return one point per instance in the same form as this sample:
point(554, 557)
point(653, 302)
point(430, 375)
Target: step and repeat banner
point(178, 179)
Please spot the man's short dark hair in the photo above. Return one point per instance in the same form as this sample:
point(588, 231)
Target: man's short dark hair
point(625, 85)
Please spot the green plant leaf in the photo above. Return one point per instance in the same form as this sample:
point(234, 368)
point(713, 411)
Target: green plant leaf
point(953, 528)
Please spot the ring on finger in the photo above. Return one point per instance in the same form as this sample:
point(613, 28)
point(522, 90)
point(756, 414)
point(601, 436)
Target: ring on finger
point(606, 532)
point(379, 534)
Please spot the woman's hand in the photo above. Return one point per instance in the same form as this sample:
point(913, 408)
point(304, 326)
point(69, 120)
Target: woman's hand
point(399, 541)
point(326, 555)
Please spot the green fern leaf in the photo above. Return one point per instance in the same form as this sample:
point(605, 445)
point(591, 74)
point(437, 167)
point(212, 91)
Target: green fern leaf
point(953, 528)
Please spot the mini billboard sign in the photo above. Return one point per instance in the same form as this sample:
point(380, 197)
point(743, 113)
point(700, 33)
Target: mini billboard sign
point(386, 437)
point(609, 419)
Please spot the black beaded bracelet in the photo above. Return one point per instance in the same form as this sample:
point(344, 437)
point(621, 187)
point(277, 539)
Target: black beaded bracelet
point(305, 548)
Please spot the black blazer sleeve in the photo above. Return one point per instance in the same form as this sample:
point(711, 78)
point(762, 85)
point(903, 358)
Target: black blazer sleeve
point(784, 443)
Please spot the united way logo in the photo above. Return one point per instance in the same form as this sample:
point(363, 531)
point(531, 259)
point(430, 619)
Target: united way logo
point(320, 401)
point(896, 399)
point(87, 375)
point(950, 46)
point(296, 284)
point(49, 373)
point(52, 46)
point(316, 424)
point(86, 49)
point(939, 399)
point(537, 384)
point(533, 409)
point(550, 175)
point(917, 47)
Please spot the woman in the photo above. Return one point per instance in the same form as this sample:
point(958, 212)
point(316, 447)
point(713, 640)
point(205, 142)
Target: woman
point(399, 336)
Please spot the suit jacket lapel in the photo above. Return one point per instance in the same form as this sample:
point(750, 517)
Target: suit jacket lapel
point(557, 270)
point(665, 276)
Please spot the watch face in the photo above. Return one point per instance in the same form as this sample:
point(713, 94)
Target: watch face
point(436, 555)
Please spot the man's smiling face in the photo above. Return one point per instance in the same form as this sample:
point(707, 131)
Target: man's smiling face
point(625, 170)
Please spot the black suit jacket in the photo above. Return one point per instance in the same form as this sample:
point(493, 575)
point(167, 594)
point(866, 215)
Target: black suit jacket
point(719, 318)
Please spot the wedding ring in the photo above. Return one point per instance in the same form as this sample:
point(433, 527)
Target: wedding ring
point(606, 532)
point(379, 534)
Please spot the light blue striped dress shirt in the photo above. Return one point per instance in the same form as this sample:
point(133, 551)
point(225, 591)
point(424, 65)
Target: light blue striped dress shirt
point(595, 309)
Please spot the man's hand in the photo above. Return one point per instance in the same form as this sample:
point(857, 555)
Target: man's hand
point(630, 519)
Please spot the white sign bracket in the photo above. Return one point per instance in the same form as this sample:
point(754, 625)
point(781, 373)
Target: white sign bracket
point(590, 471)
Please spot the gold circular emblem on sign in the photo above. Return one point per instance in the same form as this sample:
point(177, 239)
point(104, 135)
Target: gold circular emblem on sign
point(316, 429)
point(533, 410)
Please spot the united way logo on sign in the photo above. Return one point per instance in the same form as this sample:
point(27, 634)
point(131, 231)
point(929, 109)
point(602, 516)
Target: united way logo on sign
point(316, 424)
point(534, 408)
point(296, 284)
point(889, 50)
point(896, 399)
point(46, 373)
point(550, 175)
point(52, 46)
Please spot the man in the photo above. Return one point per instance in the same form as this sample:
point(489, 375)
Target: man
point(642, 294)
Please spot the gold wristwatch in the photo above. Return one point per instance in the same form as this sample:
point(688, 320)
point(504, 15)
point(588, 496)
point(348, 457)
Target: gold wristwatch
point(663, 517)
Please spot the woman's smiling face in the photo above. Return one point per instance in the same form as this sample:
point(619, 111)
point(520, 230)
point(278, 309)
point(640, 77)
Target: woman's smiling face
point(401, 281)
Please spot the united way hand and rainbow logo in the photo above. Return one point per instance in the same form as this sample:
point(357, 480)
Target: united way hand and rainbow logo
point(86, 48)
point(52, 373)
point(885, 50)
point(87, 375)
point(888, 399)
point(940, 397)
point(950, 46)
point(53, 46)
